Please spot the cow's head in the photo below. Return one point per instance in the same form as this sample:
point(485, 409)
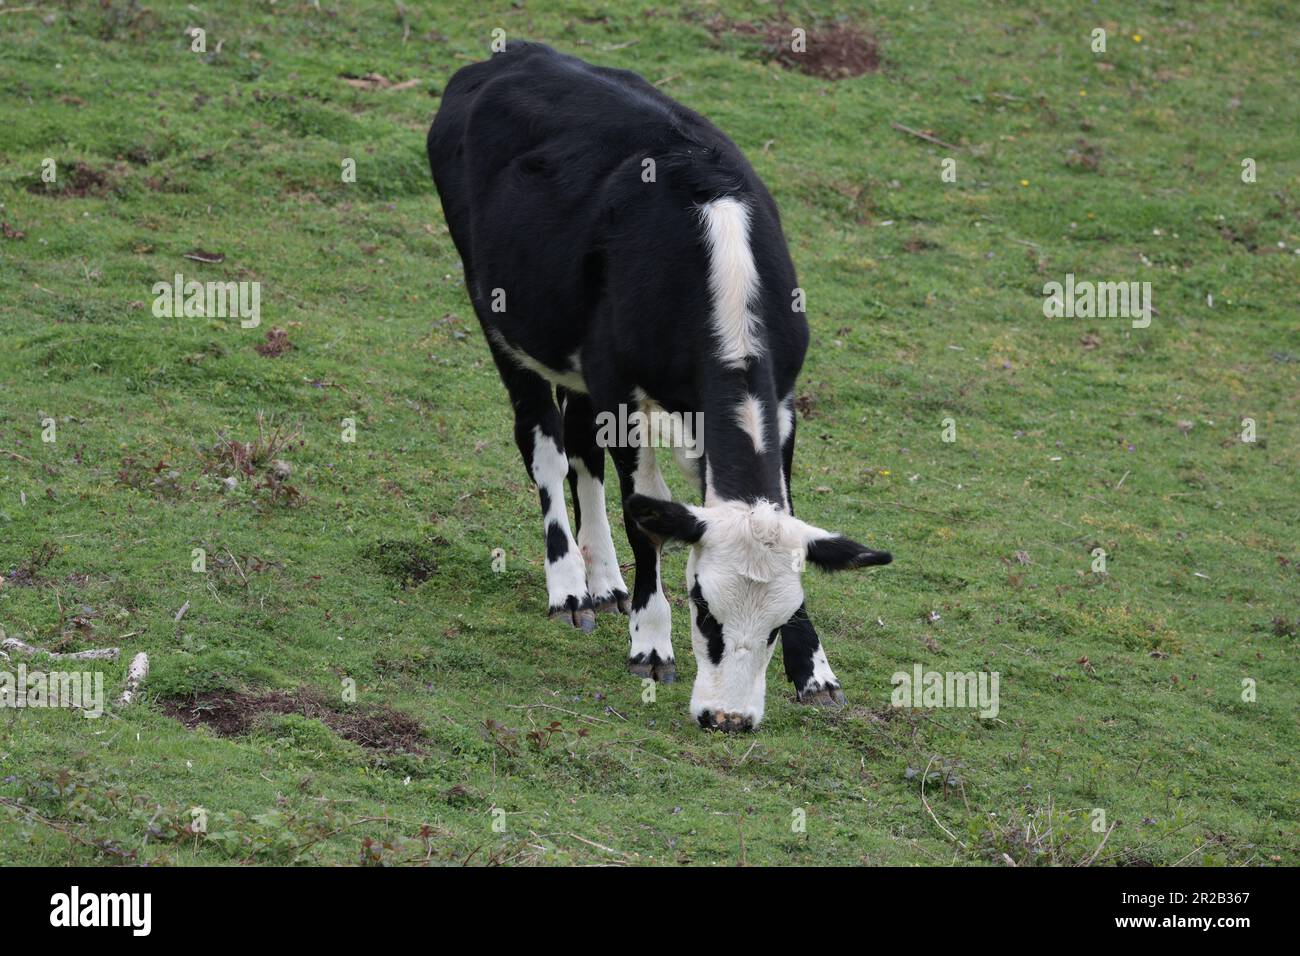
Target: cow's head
point(744, 581)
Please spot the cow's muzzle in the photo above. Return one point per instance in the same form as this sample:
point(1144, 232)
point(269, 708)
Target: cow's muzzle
point(727, 723)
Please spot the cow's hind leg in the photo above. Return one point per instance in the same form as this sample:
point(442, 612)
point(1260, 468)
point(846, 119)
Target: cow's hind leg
point(587, 483)
point(805, 660)
point(539, 433)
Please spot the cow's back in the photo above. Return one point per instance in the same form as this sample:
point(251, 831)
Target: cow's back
point(540, 160)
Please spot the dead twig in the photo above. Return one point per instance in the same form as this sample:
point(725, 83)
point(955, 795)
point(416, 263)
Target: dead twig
point(97, 654)
point(931, 812)
point(571, 713)
point(1088, 862)
point(922, 135)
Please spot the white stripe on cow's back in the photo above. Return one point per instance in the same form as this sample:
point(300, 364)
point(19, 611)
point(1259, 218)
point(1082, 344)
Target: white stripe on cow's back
point(733, 279)
point(749, 416)
point(785, 418)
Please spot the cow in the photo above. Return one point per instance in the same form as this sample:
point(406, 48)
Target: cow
point(619, 250)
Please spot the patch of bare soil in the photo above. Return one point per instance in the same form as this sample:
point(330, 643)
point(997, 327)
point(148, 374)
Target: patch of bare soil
point(235, 714)
point(276, 344)
point(74, 182)
point(917, 244)
point(832, 51)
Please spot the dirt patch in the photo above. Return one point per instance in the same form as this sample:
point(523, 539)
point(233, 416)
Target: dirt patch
point(873, 715)
point(235, 714)
point(276, 344)
point(1084, 155)
point(832, 51)
point(74, 182)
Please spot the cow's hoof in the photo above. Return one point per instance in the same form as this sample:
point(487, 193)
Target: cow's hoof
point(665, 672)
point(727, 723)
point(583, 618)
point(817, 694)
point(616, 602)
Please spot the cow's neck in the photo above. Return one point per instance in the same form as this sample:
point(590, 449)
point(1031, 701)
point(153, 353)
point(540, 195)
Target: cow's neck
point(740, 406)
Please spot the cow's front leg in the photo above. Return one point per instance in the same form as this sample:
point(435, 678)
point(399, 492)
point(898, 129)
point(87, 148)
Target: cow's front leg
point(538, 433)
point(587, 483)
point(651, 622)
point(801, 649)
point(806, 665)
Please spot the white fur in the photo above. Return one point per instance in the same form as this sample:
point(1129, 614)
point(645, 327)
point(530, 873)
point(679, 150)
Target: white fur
point(569, 378)
point(690, 467)
point(710, 493)
point(648, 479)
point(594, 538)
point(747, 568)
point(822, 674)
point(750, 418)
point(733, 280)
point(652, 626)
point(785, 418)
point(683, 425)
point(567, 576)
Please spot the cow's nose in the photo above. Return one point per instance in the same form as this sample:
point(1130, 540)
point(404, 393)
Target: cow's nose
point(727, 723)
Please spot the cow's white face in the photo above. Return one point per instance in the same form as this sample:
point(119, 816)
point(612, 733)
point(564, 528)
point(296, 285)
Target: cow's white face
point(744, 578)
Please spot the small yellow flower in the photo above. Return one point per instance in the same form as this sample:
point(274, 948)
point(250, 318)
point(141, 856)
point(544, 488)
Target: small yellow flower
point(1083, 92)
point(1024, 182)
point(1137, 38)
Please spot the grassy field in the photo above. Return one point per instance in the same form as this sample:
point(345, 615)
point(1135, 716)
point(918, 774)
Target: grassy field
point(482, 732)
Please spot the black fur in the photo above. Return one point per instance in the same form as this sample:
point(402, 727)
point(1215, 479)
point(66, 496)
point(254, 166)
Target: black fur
point(708, 624)
point(538, 159)
point(557, 545)
point(667, 520)
point(838, 553)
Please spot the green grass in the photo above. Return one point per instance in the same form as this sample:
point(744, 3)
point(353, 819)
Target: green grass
point(1120, 692)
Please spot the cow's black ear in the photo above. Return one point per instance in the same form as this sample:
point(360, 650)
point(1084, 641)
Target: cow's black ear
point(838, 553)
point(664, 519)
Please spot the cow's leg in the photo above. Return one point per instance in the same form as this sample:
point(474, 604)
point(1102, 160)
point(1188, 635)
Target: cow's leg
point(587, 483)
point(651, 621)
point(539, 434)
point(805, 659)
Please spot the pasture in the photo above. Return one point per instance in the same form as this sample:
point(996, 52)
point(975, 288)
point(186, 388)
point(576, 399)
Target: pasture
point(345, 476)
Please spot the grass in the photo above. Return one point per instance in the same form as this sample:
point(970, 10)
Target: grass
point(371, 560)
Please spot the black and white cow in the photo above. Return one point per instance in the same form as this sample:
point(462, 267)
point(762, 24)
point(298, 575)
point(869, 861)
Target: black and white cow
point(619, 248)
